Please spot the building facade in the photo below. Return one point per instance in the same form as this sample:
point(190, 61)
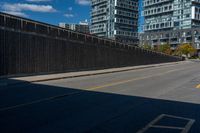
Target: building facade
point(81, 27)
point(173, 22)
point(172, 37)
point(115, 19)
point(162, 15)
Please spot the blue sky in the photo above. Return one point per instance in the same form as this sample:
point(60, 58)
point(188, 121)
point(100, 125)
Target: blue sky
point(49, 11)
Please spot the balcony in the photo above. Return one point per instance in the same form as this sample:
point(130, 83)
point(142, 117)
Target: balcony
point(97, 2)
point(99, 19)
point(164, 40)
point(174, 40)
point(126, 21)
point(187, 40)
point(126, 14)
point(155, 11)
point(133, 7)
point(125, 33)
point(195, 1)
point(147, 3)
point(98, 12)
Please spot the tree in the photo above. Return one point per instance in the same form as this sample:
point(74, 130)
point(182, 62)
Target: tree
point(147, 46)
point(185, 49)
point(165, 48)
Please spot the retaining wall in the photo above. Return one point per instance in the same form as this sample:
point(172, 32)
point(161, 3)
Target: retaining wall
point(31, 47)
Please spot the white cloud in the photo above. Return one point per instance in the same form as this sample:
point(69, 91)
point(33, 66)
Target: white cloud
point(70, 8)
point(69, 15)
point(16, 13)
point(38, 0)
point(83, 2)
point(18, 7)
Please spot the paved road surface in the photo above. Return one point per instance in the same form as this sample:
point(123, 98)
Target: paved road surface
point(153, 100)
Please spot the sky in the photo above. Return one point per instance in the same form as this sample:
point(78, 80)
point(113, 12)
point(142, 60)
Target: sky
point(50, 11)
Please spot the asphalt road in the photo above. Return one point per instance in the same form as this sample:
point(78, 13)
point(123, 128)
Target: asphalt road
point(163, 99)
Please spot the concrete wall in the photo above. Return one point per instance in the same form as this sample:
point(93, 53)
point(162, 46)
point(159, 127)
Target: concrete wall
point(29, 47)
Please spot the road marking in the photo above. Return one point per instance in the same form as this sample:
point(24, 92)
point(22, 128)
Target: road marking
point(39, 101)
point(90, 89)
point(130, 80)
point(198, 86)
point(167, 127)
point(152, 124)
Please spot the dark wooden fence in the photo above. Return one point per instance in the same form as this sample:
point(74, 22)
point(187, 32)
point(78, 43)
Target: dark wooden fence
point(31, 47)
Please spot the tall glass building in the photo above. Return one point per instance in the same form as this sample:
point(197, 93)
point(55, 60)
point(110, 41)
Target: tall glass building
point(115, 19)
point(163, 15)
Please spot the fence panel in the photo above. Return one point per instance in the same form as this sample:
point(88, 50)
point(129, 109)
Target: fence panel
point(28, 47)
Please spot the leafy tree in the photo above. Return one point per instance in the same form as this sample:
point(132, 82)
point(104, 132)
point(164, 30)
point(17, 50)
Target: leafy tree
point(185, 49)
point(146, 46)
point(165, 48)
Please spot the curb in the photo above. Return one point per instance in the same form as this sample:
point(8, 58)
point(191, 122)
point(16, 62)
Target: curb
point(100, 73)
point(84, 75)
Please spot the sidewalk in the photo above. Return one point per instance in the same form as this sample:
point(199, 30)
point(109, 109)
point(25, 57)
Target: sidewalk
point(40, 78)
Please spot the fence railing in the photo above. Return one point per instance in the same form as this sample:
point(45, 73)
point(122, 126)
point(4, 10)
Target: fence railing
point(29, 46)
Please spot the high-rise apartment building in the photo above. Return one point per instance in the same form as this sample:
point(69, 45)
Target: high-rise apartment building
point(81, 27)
point(115, 19)
point(163, 15)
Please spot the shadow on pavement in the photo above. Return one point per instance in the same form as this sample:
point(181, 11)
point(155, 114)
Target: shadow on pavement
point(51, 109)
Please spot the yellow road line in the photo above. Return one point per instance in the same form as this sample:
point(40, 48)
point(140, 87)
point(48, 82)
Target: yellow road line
point(92, 88)
point(130, 80)
point(198, 86)
point(115, 83)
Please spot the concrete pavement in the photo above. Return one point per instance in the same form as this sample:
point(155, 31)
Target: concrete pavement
point(47, 77)
point(152, 100)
